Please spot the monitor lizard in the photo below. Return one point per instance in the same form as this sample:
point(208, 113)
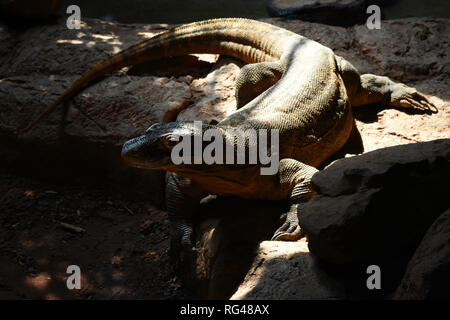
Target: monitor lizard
point(290, 83)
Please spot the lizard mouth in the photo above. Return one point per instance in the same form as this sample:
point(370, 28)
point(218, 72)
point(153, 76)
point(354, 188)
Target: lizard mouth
point(135, 153)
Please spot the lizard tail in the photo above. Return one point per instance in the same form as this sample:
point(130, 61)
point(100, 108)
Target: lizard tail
point(110, 64)
point(231, 37)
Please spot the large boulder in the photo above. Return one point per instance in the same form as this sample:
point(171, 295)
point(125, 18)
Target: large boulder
point(427, 275)
point(287, 271)
point(376, 207)
point(338, 13)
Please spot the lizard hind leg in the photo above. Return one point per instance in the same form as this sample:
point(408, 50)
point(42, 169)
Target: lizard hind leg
point(255, 78)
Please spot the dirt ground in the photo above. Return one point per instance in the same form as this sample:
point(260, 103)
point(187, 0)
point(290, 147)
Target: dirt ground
point(121, 245)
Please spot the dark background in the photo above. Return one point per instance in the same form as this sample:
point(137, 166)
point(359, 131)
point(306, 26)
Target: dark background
point(182, 11)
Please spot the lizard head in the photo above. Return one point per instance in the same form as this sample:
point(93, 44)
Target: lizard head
point(153, 149)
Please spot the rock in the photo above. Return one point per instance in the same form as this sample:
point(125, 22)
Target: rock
point(427, 275)
point(404, 41)
point(227, 236)
point(213, 95)
point(339, 13)
point(285, 271)
point(377, 206)
point(45, 61)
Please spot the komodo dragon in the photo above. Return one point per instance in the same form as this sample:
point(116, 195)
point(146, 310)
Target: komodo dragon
point(290, 83)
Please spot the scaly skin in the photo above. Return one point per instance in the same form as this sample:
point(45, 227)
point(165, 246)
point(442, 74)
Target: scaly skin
point(291, 83)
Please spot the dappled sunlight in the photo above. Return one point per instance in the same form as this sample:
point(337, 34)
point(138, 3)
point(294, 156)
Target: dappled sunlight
point(29, 194)
point(111, 253)
point(102, 37)
point(117, 275)
point(90, 44)
point(146, 35)
point(207, 57)
point(42, 261)
point(51, 296)
point(155, 26)
point(71, 41)
point(116, 260)
point(40, 282)
point(45, 89)
point(284, 270)
point(29, 244)
point(92, 39)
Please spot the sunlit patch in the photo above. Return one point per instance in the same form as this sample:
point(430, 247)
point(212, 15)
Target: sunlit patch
point(110, 39)
point(70, 41)
point(151, 256)
point(51, 296)
point(29, 194)
point(116, 50)
point(90, 44)
point(116, 260)
point(101, 36)
point(42, 261)
point(28, 244)
point(117, 275)
point(44, 89)
point(155, 26)
point(147, 35)
point(40, 282)
point(118, 291)
point(115, 42)
point(207, 57)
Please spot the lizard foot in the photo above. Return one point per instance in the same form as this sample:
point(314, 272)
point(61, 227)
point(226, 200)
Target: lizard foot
point(290, 230)
point(407, 97)
point(181, 248)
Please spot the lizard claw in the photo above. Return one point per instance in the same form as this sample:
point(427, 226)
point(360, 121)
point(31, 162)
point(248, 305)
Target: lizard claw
point(290, 230)
point(407, 97)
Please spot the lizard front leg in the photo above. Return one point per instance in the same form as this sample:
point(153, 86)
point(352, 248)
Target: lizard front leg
point(298, 176)
point(182, 201)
